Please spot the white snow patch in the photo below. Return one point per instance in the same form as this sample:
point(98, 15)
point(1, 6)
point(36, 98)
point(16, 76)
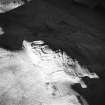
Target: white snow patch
point(1, 31)
point(37, 75)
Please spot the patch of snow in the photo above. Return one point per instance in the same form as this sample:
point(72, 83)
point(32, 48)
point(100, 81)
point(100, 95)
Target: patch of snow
point(39, 75)
point(1, 31)
point(7, 7)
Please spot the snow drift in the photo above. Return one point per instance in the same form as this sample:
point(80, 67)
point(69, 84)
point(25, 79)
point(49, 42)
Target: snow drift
point(38, 75)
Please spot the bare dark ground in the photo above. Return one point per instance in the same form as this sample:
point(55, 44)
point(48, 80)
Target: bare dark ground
point(77, 30)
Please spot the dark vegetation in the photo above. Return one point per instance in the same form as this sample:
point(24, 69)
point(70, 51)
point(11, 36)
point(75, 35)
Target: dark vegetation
point(77, 30)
